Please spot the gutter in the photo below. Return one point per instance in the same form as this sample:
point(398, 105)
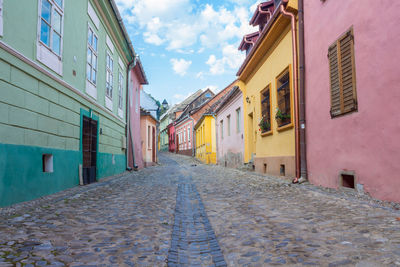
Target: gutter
point(296, 91)
point(123, 29)
point(303, 142)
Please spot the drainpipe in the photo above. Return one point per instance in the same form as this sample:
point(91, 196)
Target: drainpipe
point(303, 142)
point(131, 65)
point(296, 92)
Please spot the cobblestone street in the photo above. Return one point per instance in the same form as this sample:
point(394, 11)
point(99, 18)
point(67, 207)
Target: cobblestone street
point(185, 213)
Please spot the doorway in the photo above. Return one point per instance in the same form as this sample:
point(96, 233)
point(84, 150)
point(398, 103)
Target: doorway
point(250, 134)
point(89, 150)
point(154, 144)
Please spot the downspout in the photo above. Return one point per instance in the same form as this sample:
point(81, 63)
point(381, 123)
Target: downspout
point(296, 93)
point(302, 80)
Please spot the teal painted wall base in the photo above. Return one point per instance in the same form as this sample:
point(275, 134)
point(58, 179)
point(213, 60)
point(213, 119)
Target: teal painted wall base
point(22, 177)
point(106, 166)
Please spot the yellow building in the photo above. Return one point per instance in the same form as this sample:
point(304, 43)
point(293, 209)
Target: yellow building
point(266, 79)
point(206, 149)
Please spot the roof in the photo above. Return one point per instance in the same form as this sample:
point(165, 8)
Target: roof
point(260, 38)
point(248, 39)
point(229, 96)
point(262, 9)
point(144, 112)
point(140, 71)
point(188, 111)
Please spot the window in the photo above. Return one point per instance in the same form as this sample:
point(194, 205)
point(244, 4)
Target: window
point(188, 134)
point(51, 15)
point(238, 120)
point(222, 129)
point(1, 17)
point(120, 89)
point(91, 69)
point(184, 135)
point(265, 123)
point(229, 124)
point(284, 112)
point(342, 75)
point(109, 75)
point(148, 137)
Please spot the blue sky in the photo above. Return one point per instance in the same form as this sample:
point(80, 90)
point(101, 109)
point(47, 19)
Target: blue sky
point(186, 45)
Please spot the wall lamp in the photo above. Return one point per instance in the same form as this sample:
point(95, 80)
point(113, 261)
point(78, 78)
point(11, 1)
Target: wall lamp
point(248, 100)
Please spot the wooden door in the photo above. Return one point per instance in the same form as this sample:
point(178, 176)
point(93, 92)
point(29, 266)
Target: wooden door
point(89, 150)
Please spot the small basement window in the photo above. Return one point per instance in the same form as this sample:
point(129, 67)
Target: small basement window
point(47, 162)
point(282, 171)
point(265, 167)
point(348, 180)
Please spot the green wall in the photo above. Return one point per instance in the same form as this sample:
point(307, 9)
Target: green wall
point(38, 115)
point(22, 177)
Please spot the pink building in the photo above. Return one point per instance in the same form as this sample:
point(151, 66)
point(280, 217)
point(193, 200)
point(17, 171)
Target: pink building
point(184, 133)
point(171, 137)
point(229, 128)
point(352, 95)
point(136, 81)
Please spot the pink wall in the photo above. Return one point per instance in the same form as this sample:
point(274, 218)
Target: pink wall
point(366, 141)
point(171, 137)
point(182, 129)
point(234, 143)
point(134, 104)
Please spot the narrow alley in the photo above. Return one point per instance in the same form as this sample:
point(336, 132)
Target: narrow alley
point(183, 213)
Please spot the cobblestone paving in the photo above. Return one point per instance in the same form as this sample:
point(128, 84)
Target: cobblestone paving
point(176, 209)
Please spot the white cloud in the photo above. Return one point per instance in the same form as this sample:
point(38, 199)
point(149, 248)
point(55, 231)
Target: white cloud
point(176, 24)
point(231, 59)
point(180, 66)
point(213, 88)
point(200, 75)
point(180, 97)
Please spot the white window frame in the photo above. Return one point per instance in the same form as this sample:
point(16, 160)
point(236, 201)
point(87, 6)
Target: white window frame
point(1, 17)
point(184, 135)
point(120, 94)
point(90, 84)
point(228, 118)
point(109, 75)
point(188, 133)
point(238, 111)
point(45, 53)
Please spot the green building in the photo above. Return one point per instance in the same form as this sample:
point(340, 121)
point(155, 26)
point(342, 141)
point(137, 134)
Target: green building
point(63, 75)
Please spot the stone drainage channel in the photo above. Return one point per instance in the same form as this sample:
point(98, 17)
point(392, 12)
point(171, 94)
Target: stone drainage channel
point(193, 240)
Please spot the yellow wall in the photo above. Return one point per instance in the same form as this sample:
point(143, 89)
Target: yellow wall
point(269, 66)
point(206, 140)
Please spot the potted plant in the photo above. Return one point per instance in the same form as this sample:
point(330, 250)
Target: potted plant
point(265, 125)
point(282, 118)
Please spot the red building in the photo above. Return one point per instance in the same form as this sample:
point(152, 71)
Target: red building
point(171, 137)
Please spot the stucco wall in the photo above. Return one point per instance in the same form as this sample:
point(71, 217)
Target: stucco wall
point(134, 104)
point(230, 148)
point(365, 141)
point(186, 141)
point(147, 144)
point(278, 143)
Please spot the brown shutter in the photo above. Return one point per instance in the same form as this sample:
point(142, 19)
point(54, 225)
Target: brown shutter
point(335, 83)
point(349, 102)
point(342, 75)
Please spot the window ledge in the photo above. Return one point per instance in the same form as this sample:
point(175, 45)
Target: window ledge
point(266, 133)
point(109, 103)
point(285, 127)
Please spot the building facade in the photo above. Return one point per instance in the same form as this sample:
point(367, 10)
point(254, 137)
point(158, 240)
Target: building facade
point(148, 128)
point(62, 95)
point(136, 81)
point(229, 127)
point(351, 139)
point(266, 79)
point(206, 148)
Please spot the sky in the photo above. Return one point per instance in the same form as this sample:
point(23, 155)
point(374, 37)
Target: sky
point(187, 45)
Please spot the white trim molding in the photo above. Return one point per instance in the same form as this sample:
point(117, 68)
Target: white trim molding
point(120, 113)
point(50, 75)
point(91, 89)
point(93, 16)
point(109, 103)
point(109, 44)
point(120, 62)
point(1, 17)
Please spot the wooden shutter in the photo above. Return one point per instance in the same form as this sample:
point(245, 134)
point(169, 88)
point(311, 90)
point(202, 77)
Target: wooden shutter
point(342, 75)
